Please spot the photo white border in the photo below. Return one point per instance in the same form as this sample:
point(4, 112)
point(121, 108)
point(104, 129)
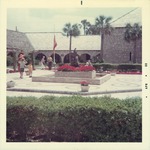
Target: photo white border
point(145, 5)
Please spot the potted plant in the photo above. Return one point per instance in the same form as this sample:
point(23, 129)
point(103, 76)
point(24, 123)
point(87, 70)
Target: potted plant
point(10, 84)
point(84, 86)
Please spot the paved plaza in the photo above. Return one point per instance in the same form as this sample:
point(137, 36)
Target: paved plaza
point(119, 86)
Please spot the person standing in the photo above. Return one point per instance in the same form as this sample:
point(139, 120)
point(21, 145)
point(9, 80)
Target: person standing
point(42, 63)
point(20, 56)
point(50, 61)
point(30, 69)
point(88, 63)
point(22, 64)
point(76, 61)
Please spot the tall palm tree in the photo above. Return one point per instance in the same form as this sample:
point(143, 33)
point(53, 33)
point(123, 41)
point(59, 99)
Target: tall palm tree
point(103, 26)
point(71, 30)
point(86, 25)
point(133, 33)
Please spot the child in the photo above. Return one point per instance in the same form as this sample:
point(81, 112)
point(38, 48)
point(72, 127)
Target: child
point(22, 64)
point(30, 68)
point(50, 61)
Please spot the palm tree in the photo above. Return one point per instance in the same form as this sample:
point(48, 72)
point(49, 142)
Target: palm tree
point(71, 30)
point(103, 26)
point(92, 30)
point(133, 33)
point(86, 25)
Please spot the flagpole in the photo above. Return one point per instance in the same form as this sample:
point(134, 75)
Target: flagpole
point(54, 57)
point(54, 49)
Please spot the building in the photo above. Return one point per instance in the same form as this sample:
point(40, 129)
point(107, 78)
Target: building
point(86, 46)
point(116, 49)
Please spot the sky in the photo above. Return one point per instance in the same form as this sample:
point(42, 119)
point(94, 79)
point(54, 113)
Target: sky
point(53, 19)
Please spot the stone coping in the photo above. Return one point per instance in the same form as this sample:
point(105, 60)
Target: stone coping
point(72, 92)
point(95, 81)
point(76, 74)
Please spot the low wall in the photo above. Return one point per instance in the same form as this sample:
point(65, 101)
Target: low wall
point(82, 74)
point(105, 78)
point(94, 81)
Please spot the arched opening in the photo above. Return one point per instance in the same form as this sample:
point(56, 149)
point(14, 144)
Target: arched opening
point(130, 56)
point(84, 57)
point(57, 58)
point(10, 59)
point(72, 56)
point(66, 58)
point(39, 57)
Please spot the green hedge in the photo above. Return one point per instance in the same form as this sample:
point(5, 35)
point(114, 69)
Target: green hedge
point(119, 67)
point(129, 67)
point(105, 66)
point(74, 119)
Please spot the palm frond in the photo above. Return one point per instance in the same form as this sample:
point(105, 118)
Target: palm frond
point(133, 33)
point(107, 20)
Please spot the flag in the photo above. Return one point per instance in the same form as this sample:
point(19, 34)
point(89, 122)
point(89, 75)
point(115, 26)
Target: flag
point(55, 43)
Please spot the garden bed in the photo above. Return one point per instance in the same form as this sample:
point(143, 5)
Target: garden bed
point(70, 74)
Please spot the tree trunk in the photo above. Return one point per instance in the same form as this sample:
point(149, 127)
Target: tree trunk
point(32, 58)
point(102, 46)
point(84, 30)
point(70, 48)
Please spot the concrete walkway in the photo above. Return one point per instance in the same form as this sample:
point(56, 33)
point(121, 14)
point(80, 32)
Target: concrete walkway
point(119, 86)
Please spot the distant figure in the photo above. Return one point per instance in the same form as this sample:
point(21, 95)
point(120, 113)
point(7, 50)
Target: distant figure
point(88, 63)
point(75, 51)
point(76, 61)
point(22, 62)
point(30, 69)
point(74, 58)
point(42, 63)
point(50, 62)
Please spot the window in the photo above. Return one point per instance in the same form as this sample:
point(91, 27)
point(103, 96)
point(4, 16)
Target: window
point(130, 56)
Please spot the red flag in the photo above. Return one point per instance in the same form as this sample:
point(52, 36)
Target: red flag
point(55, 43)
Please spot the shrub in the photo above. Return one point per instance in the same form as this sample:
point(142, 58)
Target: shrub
point(74, 119)
point(19, 121)
point(84, 83)
point(66, 68)
point(72, 68)
point(86, 68)
point(105, 66)
point(129, 67)
point(119, 67)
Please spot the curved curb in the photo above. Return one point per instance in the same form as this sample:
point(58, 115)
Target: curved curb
point(73, 93)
